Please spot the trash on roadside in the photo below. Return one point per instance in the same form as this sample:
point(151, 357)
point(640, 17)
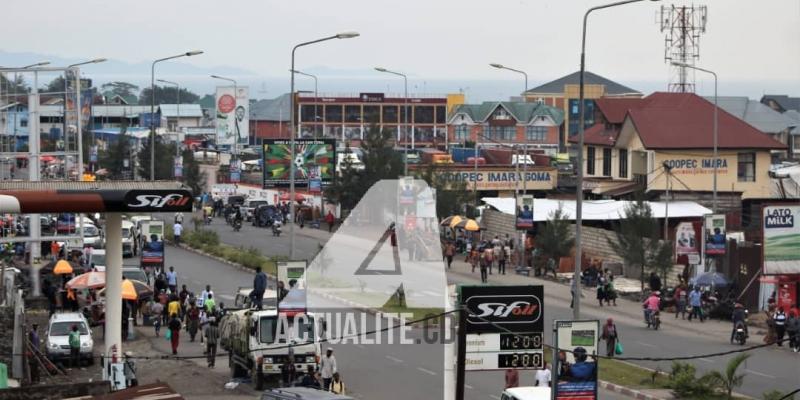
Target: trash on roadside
point(231, 385)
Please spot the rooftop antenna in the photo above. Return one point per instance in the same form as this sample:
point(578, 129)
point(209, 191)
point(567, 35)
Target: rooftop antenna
point(683, 26)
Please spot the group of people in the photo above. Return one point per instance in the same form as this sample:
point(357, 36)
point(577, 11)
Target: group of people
point(542, 378)
point(784, 326)
point(489, 254)
point(325, 378)
point(603, 279)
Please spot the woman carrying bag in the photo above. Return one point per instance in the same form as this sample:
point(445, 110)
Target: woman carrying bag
point(611, 336)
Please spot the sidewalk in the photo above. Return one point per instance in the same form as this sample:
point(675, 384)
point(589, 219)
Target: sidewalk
point(625, 308)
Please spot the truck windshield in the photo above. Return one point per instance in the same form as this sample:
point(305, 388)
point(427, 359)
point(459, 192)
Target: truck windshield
point(300, 327)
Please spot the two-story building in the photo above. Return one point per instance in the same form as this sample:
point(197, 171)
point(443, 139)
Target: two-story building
point(507, 123)
point(665, 140)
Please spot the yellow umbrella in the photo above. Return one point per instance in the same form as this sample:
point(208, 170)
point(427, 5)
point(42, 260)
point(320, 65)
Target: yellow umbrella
point(62, 268)
point(469, 225)
point(133, 289)
point(451, 220)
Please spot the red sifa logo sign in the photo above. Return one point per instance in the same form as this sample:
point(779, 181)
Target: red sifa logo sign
point(157, 201)
point(499, 309)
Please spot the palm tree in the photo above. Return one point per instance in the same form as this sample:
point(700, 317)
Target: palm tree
point(730, 379)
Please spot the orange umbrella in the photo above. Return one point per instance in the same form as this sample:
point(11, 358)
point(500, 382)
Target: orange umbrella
point(89, 280)
point(62, 268)
point(133, 289)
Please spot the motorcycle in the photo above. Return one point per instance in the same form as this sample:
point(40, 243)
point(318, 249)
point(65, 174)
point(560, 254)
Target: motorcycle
point(740, 336)
point(276, 228)
point(652, 318)
point(237, 224)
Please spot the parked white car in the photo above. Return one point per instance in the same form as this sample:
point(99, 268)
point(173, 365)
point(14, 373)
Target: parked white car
point(92, 236)
point(57, 342)
point(98, 260)
point(526, 393)
point(128, 241)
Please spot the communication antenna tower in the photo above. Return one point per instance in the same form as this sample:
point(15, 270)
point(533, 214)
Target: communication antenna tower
point(683, 26)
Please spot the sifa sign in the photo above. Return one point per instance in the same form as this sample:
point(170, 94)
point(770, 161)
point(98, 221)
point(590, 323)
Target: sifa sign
point(778, 218)
point(158, 200)
point(500, 309)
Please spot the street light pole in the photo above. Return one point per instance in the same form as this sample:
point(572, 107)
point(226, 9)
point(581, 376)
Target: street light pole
point(501, 66)
point(576, 310)
point(405, 106)
point(178, 121)
point(79, 139)
point(343, 35)
point(316, 97)
point(716, 133)
point(153, 107)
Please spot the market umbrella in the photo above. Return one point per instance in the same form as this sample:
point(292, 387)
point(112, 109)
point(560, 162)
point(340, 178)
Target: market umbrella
point(62, 267)
point(468, 225)
point(451, 220)
point(297, 197)
point(711, 279)
point(132, 290)
point(89, 280)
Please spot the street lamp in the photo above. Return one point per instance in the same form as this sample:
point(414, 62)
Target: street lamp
point(79, 139)
point(716, 134)
point(316, 94)
point(153, 107)
point(501, 66)
point(178, 121)
point(95, 61)
point(342, 35)
point(39, 64)
point(576, 311)
point(405, 106)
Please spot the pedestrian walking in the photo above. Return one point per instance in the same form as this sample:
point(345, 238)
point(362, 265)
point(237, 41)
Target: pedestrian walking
point(611, 292)
point(175, 332)
point(210, 305)
point(543, 376)
point(780, 325)
point(259, 287)
point(327, 367)
point(330, 219)
point(204, 296)
point(174, 306)
point(680, 301)
point(601, 288)
point(203, 321)
point(474, 258)
point(192, 321)
point(611, 336)
point(288, 370)
point(177, 230)
point(337, 386)
point(512, 378)
point(497, 250)
point(793, 330)
point(33, 362)
point(488, 258)
point(501, 259)
point(695, 301)
point(449, 252)
point(212, 337)
point(172, 280)
point(485, 263)
point(74, 347)
point(156, 311)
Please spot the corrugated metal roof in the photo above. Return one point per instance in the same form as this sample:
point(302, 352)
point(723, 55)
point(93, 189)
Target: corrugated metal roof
point(755, 113)
point(186, 110)
point(102, 185)
point(523, 112)
point(557, 86)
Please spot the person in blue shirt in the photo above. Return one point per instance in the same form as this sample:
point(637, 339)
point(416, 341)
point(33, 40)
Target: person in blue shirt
point(582, 370)
point(695, 301)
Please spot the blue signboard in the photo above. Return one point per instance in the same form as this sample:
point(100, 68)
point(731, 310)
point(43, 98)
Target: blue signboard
point(145, 119)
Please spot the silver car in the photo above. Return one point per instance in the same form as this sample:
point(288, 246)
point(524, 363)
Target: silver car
point(58, 329)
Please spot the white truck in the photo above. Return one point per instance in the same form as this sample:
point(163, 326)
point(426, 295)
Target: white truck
point(257, 344)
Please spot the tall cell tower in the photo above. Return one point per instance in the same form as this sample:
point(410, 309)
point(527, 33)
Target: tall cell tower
point(683, 26)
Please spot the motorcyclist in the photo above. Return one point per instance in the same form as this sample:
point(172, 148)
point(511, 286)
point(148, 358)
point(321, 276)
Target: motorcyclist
point(739, 316)
point(651, 306)
point(237, 216)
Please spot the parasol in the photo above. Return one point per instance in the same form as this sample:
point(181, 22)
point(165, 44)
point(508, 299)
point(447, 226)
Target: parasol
point(89, 280)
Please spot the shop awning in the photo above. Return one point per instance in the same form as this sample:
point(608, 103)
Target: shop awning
point(90, 197)
point(598, 210)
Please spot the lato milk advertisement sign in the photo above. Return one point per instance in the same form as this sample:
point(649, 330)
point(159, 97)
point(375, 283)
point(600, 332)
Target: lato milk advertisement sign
point(781, 239)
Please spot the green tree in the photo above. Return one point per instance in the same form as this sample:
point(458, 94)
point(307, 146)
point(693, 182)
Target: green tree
point(167, 95)
point(192, 175)
point(113, 159)
point(164, 157)
point(638, 240)
point(451, 197)
point(729, 380)
point(122, 89)
point(55, 86)
point(11, 84)
point(555, 240)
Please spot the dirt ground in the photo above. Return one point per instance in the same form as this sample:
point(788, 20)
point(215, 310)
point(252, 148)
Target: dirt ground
point(191, 378)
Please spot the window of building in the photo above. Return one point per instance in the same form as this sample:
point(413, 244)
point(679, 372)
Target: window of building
point(390, 114)
point(352, 113)
point(462, 132)
point(441, 114)
point(423, 114)
point(372, 114)
point(403, 113)
point(574, 114)
point(623, 163)
point(590, 160)
point(23, 123)
point(495, 132)
point(747, 167)
point(606, 162)
point(536, 133)
point(333, 113)
point(307, 113)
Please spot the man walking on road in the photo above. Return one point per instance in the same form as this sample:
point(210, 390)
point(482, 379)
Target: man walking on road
point(327, 367)
point(695, 301)
point(212, 335)
point(172, 280)
point(177, 230)
point(259, 287)
point(780, 325)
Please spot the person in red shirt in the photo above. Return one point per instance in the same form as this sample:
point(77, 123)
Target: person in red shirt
point(512, 378)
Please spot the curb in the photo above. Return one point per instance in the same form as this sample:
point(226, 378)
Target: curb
point(626, 391)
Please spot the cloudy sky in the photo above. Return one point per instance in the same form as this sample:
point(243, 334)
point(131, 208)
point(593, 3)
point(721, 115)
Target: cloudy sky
point(443, 45)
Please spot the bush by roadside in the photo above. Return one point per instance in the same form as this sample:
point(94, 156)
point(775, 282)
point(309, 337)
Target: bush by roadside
point(208, 242)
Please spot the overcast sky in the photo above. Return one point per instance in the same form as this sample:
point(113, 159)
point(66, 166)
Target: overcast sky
point(750, 44)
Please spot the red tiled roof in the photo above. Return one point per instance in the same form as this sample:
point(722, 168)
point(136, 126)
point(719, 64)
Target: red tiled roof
point(686, 120)
point(597, 134)
point(615, 109)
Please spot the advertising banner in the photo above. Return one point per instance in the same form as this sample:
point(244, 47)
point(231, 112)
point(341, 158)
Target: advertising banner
point(293, 276)
point(714, 229)
point(781, 239)
point(233, 115)
point(502, 179)
point(685, 240)
point(525, 212)
point(576, 365)
point(313, 159)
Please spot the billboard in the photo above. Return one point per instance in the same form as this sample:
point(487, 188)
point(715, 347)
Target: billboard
point(524, 212)
point(685, 240)
point(232, 115)
point(503, 309)
point(576, 365)
point(781, 239)
point(313, 159)
point(714, 229)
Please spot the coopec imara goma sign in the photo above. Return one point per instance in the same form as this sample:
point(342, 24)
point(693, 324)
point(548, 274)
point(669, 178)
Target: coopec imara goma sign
point(502, 179)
